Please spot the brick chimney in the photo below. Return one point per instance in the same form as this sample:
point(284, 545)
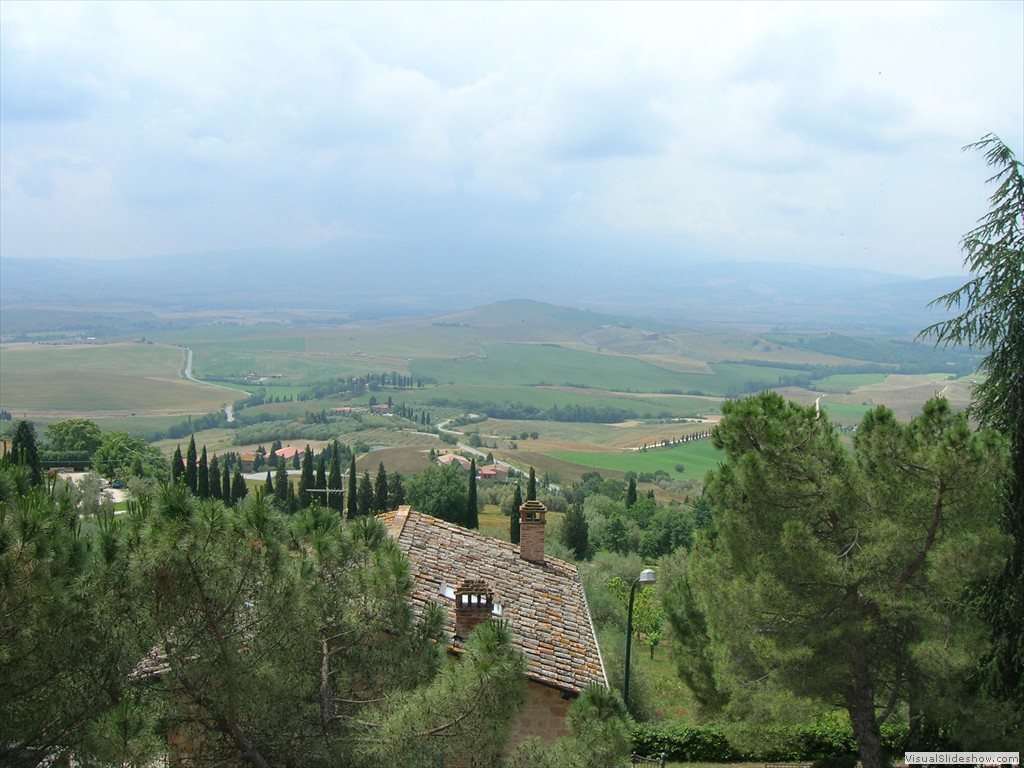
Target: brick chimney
point(531, 531)
point(474, 603)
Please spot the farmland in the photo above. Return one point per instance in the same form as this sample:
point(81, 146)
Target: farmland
point(584, 388)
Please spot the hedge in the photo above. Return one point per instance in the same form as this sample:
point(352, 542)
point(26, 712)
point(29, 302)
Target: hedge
point(824, 738)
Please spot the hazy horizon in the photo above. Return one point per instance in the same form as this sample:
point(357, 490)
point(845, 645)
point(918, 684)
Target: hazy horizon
point(573, 136)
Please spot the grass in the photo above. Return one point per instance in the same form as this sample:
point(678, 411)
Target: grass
point(697, 457)
point(479, 397)
point(102, 378)
point(551, 364)
point(846, 382)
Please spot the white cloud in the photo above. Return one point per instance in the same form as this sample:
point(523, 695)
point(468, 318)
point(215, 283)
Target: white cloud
point(789, 129)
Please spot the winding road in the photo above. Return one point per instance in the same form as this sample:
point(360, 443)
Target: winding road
point(187, 374)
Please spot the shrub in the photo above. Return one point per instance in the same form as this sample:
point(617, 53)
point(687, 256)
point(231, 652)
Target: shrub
point(827, 742)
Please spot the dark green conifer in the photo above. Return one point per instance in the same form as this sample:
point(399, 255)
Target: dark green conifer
point(353, 497)
point(335, 498)
point(192, 466)
point(26, 452)
point(215, 489)
point(307, 479)
point(238, 488)
point(514, 523)
point(380, 490)
point(204, 476)
point(177, 466)
point(472, 512)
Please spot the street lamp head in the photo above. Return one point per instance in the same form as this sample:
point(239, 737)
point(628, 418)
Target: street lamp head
point(647, 576)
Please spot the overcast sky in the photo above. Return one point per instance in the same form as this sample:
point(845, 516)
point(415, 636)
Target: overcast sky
point(821, 133)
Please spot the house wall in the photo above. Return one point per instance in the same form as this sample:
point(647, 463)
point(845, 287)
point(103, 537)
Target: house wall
point(543, 714)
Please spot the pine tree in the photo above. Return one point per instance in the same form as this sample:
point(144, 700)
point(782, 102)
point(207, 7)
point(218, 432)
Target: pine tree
point(380, 490)
point(992, 318)
point(204, 476)
point(192, 466)
point(472, 512)
point(514, 522)
point(353, 496)
point(531, 486)
point(177, 466)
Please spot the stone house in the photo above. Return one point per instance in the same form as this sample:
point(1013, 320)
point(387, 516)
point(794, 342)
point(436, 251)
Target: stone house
point(493, 472)
point(453, 458)
point(474, 577)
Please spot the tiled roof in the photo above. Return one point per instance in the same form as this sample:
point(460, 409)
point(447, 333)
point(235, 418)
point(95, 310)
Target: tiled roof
point(544, 603)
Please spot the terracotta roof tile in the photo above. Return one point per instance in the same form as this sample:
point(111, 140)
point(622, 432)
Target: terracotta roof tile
point(544, 603)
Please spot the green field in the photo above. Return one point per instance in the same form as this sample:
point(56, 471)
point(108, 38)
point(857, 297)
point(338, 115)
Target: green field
point(122, 378)
point(845, 413)
point(846, 382)
point(697, 457)
point(515, 361)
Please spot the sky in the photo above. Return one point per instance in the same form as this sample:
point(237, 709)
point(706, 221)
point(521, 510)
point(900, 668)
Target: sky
point(822, 133)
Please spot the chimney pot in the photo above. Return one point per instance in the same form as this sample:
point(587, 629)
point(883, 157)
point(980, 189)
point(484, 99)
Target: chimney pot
point(474, 602)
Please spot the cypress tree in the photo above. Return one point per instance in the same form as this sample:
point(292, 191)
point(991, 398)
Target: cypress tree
point(335, 499)
point(204, 476)
point(268, 487)
point(472, 512)
point(321, 473)
point(306, 479)
point(513, 523)
point(353, 498)
point(192, 466)
point(575, 533)
point(396, 491)
point(26, 452)
point(291, 505)
point(365, 501)
point(531, 486)
point(238, 488)
point(215, 492)
point(380, 490)
point(225, 484)
point(177, 466)
point(281, 486)
point(631, 492)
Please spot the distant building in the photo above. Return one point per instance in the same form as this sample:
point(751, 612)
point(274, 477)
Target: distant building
point(493, 472)
point(288, 452)
point(454, 458)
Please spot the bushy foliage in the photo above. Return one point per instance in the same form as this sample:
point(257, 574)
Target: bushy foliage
point(826, 738)
point(272, 636)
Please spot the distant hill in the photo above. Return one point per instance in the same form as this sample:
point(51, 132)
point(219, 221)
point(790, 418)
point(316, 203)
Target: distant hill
point(377, 282)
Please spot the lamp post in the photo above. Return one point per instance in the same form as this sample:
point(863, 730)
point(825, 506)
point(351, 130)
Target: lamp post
point(647, 576)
